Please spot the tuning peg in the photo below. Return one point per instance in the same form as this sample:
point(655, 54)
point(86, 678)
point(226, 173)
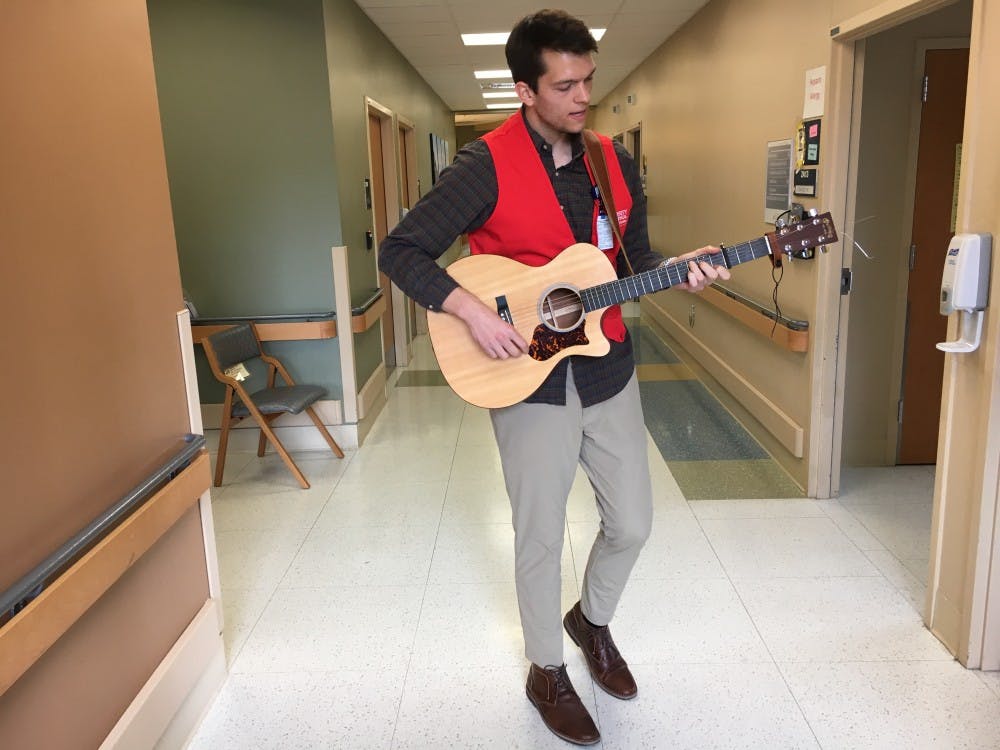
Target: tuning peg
point(814, 212)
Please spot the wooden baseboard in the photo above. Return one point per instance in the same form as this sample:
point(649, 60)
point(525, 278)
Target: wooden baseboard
point(173, 701)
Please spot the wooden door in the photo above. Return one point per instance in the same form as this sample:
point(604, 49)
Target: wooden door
point(938, 157)
point(380, 229)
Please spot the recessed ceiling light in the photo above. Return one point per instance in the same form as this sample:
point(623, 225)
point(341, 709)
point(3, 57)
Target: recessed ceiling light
point(474, 40)
point(499, 94)
point(480, 74)
point(497, 38)
point(505, 105)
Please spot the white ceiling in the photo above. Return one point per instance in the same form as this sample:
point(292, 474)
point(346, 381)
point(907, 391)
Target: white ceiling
point(427, 33)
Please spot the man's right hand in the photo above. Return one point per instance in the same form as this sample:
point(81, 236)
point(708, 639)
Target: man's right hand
point(495, 336)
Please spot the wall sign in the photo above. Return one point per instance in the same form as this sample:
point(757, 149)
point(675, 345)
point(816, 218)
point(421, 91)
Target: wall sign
point(804, 182)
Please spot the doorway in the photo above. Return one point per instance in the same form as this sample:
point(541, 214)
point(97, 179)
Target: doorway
point(903, 205)
point(901, 194)
point(384, 198)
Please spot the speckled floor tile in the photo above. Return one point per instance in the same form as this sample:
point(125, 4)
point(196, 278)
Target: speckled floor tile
point(685, 621)
point(314, 711)
point(257, 558)
point(472, 624)
point(383, 504)
point(785, 547)
point(242, 511)
point(916, 705)
point(890, 484)
point(906, 583)
point(329, 629)
point(903, 527)
point(363, 556)
point(688, 424)
point(691, 706)
point(472, 501)
point(722, 479)
point(837, 619)
point(241, 609)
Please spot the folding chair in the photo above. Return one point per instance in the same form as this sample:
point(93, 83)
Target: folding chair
point(228, 353)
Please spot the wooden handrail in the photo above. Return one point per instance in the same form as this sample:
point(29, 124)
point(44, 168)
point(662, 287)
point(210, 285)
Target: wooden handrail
point(782, 334)
point(33, 630)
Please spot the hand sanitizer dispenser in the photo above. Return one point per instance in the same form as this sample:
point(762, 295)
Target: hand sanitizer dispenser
point(965, 288)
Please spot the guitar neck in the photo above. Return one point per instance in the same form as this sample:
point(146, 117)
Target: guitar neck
point(664, 277)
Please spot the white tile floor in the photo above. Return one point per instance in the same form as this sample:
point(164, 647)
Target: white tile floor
point(377, 609)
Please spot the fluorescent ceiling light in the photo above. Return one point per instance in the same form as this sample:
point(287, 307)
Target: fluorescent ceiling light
point(475, 40)
point(497, 38)
point(499, 94)
point(481, 74)
point(505, 105)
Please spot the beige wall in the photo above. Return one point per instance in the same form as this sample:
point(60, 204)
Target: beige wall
point(92, 375)
point(717, 92)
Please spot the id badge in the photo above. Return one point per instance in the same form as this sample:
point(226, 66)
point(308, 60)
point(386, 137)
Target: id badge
point(605, 239)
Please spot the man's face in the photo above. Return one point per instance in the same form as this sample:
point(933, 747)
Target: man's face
point(559, 107)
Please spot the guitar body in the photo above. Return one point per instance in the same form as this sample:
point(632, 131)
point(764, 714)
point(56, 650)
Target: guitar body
point(541, 303)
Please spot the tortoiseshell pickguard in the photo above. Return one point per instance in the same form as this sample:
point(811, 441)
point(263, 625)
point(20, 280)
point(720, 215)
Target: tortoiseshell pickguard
point(546, 343)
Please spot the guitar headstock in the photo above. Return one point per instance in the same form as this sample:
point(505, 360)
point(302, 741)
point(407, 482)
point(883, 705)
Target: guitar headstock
point(805, 234)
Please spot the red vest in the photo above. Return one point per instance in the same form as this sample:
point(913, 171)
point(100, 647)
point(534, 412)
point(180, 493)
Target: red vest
point(528, 224)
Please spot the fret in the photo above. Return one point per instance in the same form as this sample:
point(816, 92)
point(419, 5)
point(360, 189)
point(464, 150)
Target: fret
point(664, 277)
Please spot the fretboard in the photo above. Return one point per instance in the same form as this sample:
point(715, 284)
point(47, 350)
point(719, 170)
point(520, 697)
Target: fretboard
point(664, 277)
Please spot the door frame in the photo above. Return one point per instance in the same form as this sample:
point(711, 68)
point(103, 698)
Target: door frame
point(390, 183)
point(402, 306)
point(965, 535)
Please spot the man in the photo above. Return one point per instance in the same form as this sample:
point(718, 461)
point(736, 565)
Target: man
point(525, 191)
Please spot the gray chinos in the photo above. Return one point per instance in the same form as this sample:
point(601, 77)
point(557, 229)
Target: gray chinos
point(540, 448)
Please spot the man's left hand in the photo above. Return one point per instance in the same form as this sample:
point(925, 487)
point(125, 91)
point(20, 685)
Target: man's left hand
point(702, 273)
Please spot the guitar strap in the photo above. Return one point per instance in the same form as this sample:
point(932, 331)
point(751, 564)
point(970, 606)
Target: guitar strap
point(595, 154)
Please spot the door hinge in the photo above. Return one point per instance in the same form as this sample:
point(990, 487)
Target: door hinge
point(846, 280)
point(913, 257)
point(923, 88)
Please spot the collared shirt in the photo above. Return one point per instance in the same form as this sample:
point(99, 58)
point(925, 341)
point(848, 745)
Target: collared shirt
point(463, 200)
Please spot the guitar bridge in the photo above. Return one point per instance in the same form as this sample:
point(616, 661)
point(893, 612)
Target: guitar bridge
point(503, 309)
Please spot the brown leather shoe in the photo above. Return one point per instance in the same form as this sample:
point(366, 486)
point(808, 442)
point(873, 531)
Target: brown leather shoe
point(551, 692)
point(607, 666)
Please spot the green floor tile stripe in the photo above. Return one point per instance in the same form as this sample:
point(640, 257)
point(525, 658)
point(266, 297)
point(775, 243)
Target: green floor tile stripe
point(721, 480)
point(421, 378)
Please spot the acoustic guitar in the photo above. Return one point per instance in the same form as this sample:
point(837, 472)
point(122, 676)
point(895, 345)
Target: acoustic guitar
point(557, 307)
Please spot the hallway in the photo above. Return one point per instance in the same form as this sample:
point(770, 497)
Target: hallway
point(377, 609)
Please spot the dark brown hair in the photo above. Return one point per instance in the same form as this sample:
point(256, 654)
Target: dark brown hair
point(554, 30)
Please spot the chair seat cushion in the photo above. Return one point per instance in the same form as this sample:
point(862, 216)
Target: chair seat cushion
point(290, 398)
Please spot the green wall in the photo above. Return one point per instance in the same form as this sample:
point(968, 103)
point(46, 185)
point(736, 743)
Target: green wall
point(265, 175)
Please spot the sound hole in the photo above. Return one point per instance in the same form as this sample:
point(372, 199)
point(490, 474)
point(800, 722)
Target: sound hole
point(560, 309)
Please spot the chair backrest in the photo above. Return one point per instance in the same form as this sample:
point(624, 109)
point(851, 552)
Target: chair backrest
point(234, 345)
